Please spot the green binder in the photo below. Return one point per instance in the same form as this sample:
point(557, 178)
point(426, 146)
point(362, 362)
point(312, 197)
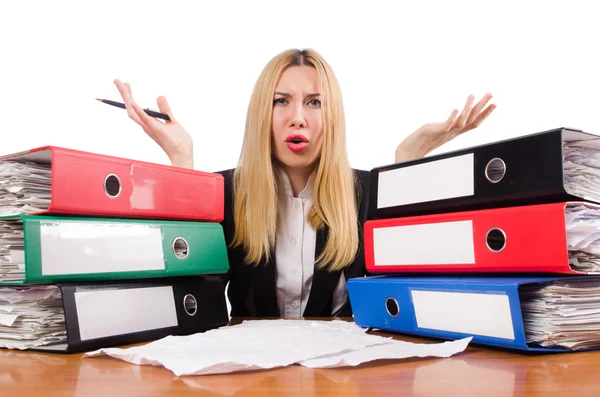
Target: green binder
point(39, 249)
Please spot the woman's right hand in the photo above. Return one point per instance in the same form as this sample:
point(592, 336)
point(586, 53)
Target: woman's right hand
point(170, 135)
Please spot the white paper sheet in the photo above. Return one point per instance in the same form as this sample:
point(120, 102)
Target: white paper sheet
point(24, 187)
point(583, 236)
point(31, 316)
point(264, 344)
point(564, 313)
point(582, 168)
point(394, 349)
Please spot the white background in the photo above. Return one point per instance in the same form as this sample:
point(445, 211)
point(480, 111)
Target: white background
point(400, 64)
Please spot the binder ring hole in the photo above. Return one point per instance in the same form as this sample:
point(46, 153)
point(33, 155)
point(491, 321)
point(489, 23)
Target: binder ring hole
point(495, 239)
point(391, 305)
point(112, 186)
point(180, 248)
point(190, 305)
point(495, 170)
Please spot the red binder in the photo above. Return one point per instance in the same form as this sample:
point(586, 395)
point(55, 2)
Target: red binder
point(523, 239)
point(84, 183)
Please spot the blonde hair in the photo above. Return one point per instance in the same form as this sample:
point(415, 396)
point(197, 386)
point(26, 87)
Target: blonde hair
point(256, 184)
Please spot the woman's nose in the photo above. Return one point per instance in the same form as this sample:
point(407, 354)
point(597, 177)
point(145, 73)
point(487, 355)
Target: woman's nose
point(298, 120)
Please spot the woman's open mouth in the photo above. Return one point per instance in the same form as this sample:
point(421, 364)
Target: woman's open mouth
point(296, 143)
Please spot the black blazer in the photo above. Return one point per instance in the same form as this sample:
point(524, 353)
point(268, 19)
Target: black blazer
point(252, 289)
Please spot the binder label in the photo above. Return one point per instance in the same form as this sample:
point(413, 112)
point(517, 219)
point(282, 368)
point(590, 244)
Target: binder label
point(435, 180)
point(72, 247)
point(436, 243)
point(104, 313)
point(465, 312)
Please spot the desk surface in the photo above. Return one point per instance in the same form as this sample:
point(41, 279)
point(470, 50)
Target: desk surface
point(478, 372)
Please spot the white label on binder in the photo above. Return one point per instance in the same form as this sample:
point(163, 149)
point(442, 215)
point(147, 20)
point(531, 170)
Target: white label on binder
point(434, 180)
point(444, 243)
point(104, 313)
point(70, 247)
point(465, 312)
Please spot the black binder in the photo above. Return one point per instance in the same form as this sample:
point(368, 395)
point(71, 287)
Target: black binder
point(518, 171)
point(187, 305)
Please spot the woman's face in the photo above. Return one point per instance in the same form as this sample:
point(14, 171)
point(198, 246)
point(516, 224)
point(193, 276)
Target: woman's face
point(297, 129)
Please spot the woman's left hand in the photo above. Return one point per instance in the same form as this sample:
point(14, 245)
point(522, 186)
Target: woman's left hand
point(433, 135)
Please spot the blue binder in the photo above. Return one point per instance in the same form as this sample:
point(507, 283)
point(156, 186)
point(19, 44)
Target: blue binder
point(488, 309)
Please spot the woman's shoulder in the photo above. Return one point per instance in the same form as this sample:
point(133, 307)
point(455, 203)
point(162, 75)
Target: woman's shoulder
point(361, 188)
point(226, 173)
point(362, 174)
point(362, 178)
point(227, 177)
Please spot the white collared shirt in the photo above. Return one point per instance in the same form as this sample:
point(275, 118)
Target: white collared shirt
point(295, 252)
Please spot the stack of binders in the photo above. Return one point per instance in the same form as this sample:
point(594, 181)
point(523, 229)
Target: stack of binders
point(99, 251)
point(499, 242)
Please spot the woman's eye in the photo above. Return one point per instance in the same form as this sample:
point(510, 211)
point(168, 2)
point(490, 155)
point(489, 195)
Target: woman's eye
point(280, 101)
point(314, 103)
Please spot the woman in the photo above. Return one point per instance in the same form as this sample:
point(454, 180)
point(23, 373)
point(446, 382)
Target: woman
point(294, 208)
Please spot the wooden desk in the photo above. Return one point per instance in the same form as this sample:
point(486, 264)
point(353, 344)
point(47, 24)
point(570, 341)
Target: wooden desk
point(476, 372)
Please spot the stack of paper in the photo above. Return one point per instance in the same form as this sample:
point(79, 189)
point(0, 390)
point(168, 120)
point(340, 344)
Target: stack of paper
point(12, 251)
point(583, 237)
point(564, 313)
point(582, 168)
point(24, 187)
point(31, 316)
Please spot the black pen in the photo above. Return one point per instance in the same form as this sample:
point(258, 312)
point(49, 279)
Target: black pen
point(147, 111)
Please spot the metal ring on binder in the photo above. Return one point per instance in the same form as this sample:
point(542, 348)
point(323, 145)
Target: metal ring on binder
point(112, 185)
point(392, 307)
point(495, 170)
point(181, 249)
point(495, 239)
point(190, 304)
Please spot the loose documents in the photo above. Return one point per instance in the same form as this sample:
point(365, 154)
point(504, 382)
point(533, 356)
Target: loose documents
point(24, 187)
point(562, 313)
point(31, 316)
point(583, 236)
point(264, 344)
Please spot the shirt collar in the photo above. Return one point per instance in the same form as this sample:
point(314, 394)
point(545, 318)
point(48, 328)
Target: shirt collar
point(286, 186)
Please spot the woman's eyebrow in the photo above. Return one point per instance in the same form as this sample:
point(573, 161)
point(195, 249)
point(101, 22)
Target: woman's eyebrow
point(285, 94)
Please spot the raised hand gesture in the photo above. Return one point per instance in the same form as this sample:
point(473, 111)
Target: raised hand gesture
point(170, 135)
point(433, 135)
